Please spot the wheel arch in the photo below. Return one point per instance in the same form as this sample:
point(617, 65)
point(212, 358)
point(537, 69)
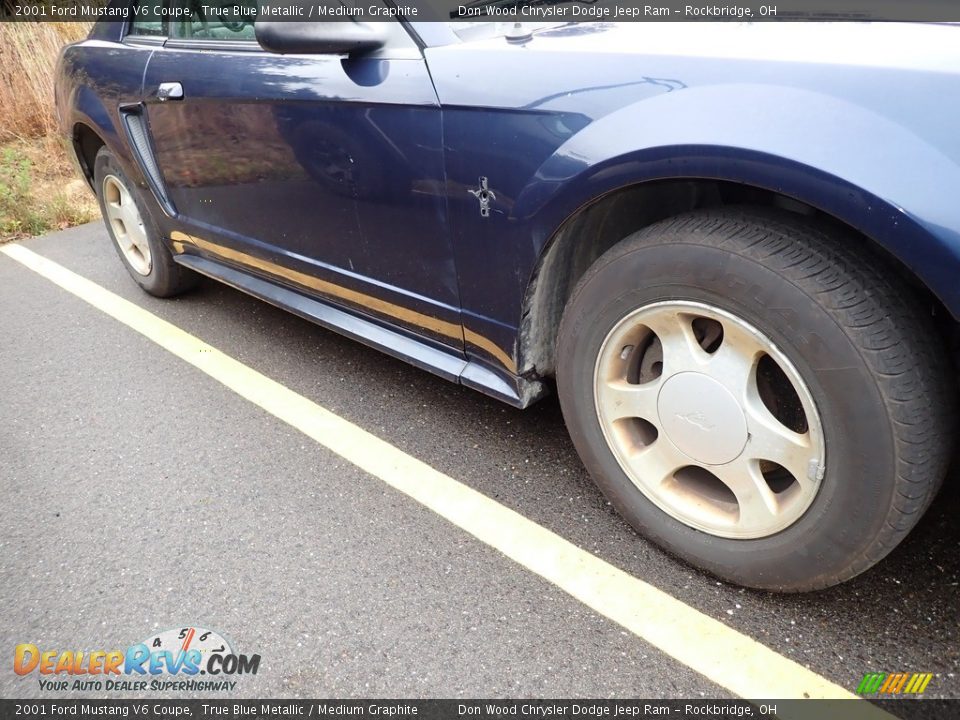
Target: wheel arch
point(90, 126)
point(86, 144)
point(885, 232)
point(883, 178)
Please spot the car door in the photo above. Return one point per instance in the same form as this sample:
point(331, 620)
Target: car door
point(320, 171)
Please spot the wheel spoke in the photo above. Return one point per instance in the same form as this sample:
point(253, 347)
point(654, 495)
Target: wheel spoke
point(619, 399)
point(139, 237)
point(758, 505)
point(734, 362)
point(123, 237)
point(656, 463)
point(769, 439)
point(680, 349)
point(129, 214)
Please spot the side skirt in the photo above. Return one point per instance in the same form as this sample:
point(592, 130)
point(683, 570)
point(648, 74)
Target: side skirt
point(513, 390)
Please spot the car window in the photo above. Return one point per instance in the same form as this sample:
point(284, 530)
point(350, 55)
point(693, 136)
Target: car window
point(215, 20)
point(149, 19)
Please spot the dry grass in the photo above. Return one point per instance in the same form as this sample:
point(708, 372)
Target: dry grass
point(28, 54)
point(39, 189)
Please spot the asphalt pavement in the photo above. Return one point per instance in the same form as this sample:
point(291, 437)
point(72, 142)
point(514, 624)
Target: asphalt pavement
point(139, 495)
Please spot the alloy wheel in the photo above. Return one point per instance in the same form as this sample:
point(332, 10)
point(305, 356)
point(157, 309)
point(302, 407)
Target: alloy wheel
point(127, 225)
point(709, 419)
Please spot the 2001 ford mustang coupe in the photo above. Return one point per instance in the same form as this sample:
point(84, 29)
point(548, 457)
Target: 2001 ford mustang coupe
point(735, 248)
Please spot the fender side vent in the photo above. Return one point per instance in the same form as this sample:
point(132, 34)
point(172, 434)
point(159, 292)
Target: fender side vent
point(133, 121)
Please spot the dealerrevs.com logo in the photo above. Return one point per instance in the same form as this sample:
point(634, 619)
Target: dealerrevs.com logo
point(172, 660)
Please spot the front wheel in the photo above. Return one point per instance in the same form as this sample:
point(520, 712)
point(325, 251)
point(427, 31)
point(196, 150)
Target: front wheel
point(135, 237)
point(755, 397)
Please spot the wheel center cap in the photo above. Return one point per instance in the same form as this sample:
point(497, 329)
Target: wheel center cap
point(702, 418)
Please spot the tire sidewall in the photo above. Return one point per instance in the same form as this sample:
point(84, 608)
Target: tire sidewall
point(850, 506)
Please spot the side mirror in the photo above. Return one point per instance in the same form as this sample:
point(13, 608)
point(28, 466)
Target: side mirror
point(331, 38)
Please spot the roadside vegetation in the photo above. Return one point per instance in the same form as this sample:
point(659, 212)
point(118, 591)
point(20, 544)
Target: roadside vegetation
point(39, 189)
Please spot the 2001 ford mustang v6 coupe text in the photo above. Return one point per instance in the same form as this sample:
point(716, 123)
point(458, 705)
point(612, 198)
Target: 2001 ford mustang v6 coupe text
point(735, 248)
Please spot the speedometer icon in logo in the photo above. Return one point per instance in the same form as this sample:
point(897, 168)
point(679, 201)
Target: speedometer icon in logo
point(189, 650)
point(184, 639)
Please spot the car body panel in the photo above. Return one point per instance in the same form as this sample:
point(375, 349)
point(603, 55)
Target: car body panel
point(305, 167)
point(757, 105)
point(94, 79)
point(854, 119)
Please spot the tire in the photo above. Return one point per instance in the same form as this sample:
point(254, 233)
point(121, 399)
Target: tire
point(858, 380)
point(134, 234)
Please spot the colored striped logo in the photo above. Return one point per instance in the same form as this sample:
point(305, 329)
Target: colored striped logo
point(894, 683)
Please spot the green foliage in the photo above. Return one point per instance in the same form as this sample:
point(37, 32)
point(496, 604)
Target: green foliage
point(16, 214)
point(31, 206)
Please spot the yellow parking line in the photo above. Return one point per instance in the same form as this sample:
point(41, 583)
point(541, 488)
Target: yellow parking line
point(719, 653)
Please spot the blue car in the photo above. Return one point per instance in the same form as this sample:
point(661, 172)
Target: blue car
point(733, 249)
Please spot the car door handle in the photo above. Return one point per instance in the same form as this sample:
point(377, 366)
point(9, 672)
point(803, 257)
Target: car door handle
point(170, 91)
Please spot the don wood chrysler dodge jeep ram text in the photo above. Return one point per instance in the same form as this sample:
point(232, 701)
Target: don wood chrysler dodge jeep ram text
point(734, 249)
